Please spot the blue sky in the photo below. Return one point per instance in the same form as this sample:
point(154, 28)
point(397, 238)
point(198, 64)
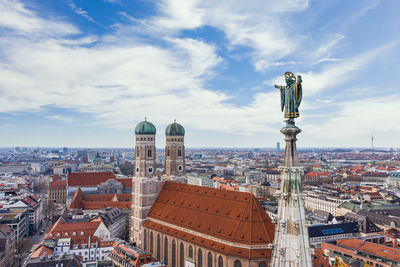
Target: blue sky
point(84, 73)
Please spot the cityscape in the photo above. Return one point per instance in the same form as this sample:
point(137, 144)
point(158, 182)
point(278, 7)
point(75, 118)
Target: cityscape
point(186, 133)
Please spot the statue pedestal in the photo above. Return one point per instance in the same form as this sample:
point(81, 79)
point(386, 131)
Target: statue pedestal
point(291, 244)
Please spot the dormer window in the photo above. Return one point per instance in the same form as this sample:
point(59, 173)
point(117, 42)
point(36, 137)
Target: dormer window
point(74, 233)
point(50, 235)
point(82, 233)
point(66, 234)
point(58, 234)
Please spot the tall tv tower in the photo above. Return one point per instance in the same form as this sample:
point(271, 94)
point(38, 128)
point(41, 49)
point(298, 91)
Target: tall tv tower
point(372, 141)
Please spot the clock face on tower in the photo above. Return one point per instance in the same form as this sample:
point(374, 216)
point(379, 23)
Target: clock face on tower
point(150, 170)
point(180, 168)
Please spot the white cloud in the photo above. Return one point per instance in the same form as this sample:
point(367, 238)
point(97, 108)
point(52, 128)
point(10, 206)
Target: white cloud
point(61, 118)
point(120, 84)
point(16, 17)
point(259, 24)
point(80, 11)
point(336, 73)
point(356, 120)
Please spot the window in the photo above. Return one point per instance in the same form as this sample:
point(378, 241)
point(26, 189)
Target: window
point(151, 243)
point(220, 262)
point(74, 233)
point(149, 153)
point(209, 260)
point(158, 247)
point(262, 264)
point(145, 240)
point(168, 152)
point(166, 250)
point(200, 258)
point(181, 256)
point(137, 153)
point(237, 263)
point(179, 152)
point(173, 263)
point(190, 252)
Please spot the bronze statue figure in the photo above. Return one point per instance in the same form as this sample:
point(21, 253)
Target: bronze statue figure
point(291, 95)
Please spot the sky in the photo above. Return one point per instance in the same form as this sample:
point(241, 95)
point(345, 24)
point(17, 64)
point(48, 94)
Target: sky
point(81, 73)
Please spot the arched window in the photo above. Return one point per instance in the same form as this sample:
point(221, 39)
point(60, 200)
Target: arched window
point(182, 256)
point(237, 263)
point(168, 152)
point(137, 153)
point(209, 260)
point(151, 243)
point(145, 240)
point(166, 250)
point(220, 262)
point(262, 264)
point(190, 252)
point(158, 247)
point(179, 152)
point(149, 153)
point(200, 258)
point(173, 263)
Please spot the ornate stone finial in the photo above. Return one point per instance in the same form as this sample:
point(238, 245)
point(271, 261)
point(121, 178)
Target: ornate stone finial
point(174, 120)
point(291, 96)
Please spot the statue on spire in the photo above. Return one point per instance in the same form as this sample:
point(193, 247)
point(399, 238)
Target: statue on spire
point(291, 96)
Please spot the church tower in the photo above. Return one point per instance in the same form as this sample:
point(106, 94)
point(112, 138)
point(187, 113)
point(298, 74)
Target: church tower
point(145, 149)
point(145, 184)
point(174, 151)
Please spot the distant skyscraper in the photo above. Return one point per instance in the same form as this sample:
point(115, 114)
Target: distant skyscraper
point(278, 146)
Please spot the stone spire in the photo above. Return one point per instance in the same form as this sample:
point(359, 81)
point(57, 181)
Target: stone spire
point(291, 244)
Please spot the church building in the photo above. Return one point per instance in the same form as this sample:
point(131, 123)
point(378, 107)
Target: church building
point(187, 225)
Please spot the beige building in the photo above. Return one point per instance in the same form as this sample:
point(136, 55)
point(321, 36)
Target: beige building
point(315, 201)
point(58, 191)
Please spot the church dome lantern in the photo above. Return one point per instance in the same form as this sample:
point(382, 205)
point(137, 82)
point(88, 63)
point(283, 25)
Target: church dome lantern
point(145, 127)
point(174, 129)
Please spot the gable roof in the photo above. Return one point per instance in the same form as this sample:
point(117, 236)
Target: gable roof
point(81, 229)
point(93, 202)
point(89, 178)
point(58, 184)
point(236, 217)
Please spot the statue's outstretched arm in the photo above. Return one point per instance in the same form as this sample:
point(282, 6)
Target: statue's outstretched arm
point(279, 87)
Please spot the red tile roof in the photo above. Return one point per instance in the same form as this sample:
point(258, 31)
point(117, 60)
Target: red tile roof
point(61, 227)
point(42, 251)
point(371, 248)
point(95, 202)
point(233, 216)
point(89, 178)
point(58, 184)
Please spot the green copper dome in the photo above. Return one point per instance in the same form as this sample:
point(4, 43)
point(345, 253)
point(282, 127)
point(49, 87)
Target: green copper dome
point(174, 129)
point(145, 127)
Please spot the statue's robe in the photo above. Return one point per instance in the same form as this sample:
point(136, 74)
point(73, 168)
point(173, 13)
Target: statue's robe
point(290, 99)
